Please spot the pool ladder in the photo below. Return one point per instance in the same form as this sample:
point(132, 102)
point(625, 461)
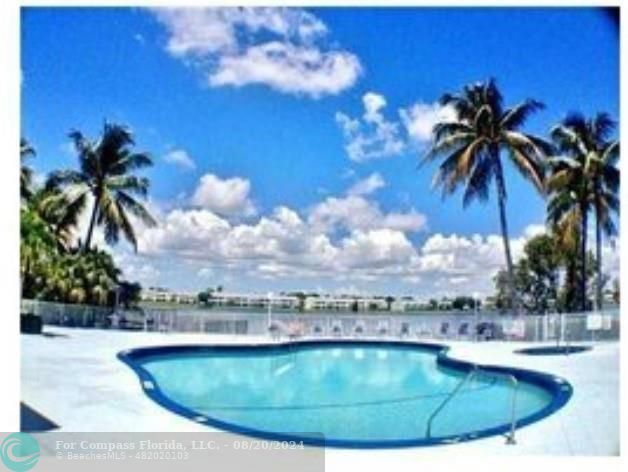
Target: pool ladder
point(475, 370)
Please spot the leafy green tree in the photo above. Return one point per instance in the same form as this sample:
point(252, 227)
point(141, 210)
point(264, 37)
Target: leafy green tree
point(105, 167)
point(50, 204)
point(537, 273)
point(129, 293)
point(463, 302)
point(38, 251)
point(584, 178)
point(26, 173)
point(203, 297)
point(474, 144)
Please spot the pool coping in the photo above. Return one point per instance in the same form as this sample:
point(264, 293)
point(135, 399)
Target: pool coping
point(560, 389)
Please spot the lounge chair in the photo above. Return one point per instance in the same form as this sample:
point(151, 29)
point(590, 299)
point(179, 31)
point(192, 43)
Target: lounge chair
point(444, 329)
point(463, 330)
point(336, 329)
point(405, 330)
point(359, 328)
point(382, 328)
point(317, 330)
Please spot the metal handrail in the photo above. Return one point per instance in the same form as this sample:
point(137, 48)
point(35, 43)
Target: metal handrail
point(510, 438)
point(447, 399)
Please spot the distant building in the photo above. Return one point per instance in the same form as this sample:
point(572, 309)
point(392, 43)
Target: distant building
point(446, 304)
point(247, 300)
point(164, 295)
point(406, 304)
point(344, 303)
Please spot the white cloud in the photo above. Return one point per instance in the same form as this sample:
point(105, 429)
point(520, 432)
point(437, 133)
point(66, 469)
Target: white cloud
point(368, 185)
point(284, 245)
point(419, 119)
point(224, 196)
point(181, 158)
point(355, 212)
point(288, 68)
point(375, 249)
point(283, 48)
point(135, 268)
point(372, 136)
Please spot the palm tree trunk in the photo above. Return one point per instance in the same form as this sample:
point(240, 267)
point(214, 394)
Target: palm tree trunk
point(598, 262)
point(583, 257)
point(501, 199)
point(90, 229)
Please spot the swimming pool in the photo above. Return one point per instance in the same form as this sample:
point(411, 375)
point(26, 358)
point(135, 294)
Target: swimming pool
point(357, 394)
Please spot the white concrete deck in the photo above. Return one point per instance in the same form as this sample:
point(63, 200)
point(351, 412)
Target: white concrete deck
point(76, 381)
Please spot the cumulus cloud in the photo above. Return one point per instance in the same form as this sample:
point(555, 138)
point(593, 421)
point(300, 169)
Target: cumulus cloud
point(368, 185)
point(288, 68)
point(372, 136)
point(136, 269)
point(285, 49)
point(419, 119)
point(225, 197)
point(356, 212)
point(286, 245)
point(180, 158)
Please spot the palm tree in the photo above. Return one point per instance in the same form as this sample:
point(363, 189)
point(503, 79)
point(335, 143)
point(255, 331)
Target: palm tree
point(51, 206)
point(26, 173)
point(105, 174)
point(584, 177)
point(472, 147)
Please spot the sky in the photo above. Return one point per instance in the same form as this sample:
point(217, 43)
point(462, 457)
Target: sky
point(286, 141)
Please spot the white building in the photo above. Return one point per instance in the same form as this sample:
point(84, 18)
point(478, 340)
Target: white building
point(247, 300)
point(344, 303)
point(401, 305)
point(164, 295)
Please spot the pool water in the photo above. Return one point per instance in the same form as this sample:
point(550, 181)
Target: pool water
point(353, 394)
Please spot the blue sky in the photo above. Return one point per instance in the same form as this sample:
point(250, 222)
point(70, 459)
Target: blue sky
point(248, 113)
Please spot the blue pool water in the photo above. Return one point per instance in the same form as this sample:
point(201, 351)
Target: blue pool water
point(353, 394)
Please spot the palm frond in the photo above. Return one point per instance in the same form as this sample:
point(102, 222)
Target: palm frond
point(131, 161)
point(516, 116)
point(448, 144)
point(130, 183)
point(479, 182)
point(568, 140)
point(610, 154)
point(135, 208)
point(26, 149)
point(529, 167)
point(445, 129)
point(602, 126)
point(60, 178)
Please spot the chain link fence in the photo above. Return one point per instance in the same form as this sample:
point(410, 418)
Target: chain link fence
point(472, 326)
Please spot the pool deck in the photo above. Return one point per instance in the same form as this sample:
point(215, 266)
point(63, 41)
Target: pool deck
point(74, 379)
